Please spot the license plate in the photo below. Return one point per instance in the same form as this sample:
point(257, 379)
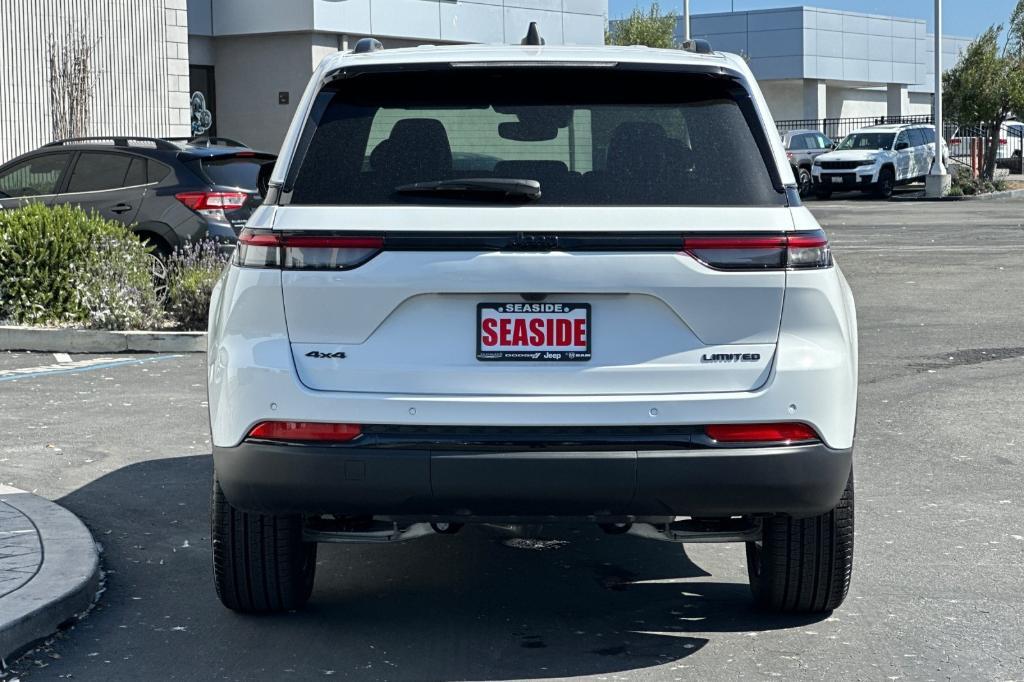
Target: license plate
point(837, 179)
point(533, 331)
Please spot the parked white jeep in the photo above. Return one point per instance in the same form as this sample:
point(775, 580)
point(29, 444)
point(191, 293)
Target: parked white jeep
point(876, 159)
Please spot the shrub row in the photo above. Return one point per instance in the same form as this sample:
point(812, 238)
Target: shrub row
point(62, 266)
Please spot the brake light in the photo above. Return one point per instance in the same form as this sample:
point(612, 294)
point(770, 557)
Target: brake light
point(263, 249)
point(786, 432)
point(755, 252)
point(213, 204)
point(305, 431)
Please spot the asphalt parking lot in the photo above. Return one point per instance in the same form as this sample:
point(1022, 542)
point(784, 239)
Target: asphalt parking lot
point(939, 549)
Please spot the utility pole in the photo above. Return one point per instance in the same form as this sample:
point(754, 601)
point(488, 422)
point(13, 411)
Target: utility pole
point(938, 181)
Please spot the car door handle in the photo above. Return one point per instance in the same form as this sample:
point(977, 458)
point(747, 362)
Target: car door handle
point(120, 208)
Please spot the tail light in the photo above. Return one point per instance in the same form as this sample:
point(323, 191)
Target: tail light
point(754, 252)
point(262, 249)
point(317, 432)
point(213, 204)
point(781, 433)
point(789, 155)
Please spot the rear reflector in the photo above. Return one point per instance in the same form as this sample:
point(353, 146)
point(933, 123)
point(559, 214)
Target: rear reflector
point(262, 249)
point(786, 432)
point(305, 431)
point(755, 252)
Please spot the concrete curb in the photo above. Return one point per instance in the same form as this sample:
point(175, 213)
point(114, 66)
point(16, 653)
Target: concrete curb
point(97, 341)
point(65, 584)
point(991, 196)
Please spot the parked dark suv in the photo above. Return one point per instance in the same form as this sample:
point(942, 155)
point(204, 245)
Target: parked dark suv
point(167, 191)
point(802, 147)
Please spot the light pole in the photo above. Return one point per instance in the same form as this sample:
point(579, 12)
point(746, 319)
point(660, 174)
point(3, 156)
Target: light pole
point(938, 181)
point(686, 21)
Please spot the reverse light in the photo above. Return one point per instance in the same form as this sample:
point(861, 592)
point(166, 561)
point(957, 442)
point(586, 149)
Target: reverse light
point(318, 432)
point(782, 433)
point(265, 249)
point(754, 252)
point(213, 204)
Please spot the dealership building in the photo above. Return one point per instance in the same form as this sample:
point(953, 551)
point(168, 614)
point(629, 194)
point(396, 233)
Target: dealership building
point(250, 59)
point(817, 63)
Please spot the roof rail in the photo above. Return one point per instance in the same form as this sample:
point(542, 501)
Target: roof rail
point(118, 141)
point(367, 45)
point(697, 45)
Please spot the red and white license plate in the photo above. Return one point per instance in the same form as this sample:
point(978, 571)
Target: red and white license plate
point(533, 331)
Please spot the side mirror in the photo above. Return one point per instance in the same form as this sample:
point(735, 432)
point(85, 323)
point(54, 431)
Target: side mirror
point(900, 146)
point(263, 179)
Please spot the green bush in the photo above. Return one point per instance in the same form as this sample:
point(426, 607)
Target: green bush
point(63, 266)
point(192, 272)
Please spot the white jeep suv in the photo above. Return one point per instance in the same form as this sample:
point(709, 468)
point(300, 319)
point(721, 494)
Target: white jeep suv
point(876, 159)
point(526, 284)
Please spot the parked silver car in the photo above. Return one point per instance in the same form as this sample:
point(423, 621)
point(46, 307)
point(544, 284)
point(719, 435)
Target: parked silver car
point(802, 147)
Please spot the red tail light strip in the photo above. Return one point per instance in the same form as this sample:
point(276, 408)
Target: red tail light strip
point(723, 251)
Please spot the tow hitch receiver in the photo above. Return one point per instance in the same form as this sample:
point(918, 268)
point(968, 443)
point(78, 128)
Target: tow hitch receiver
point(738, 529)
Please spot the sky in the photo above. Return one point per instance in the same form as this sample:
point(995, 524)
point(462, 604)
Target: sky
point(965, 18)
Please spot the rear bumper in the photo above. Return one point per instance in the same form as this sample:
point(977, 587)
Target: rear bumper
point(848, 180)
point(801, 480)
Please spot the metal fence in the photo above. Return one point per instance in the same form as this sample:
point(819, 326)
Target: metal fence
point(838, 128)
point(966, 142)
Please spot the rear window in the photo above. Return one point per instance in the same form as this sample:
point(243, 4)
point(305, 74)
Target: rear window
point(233, 171)
point(587, 136)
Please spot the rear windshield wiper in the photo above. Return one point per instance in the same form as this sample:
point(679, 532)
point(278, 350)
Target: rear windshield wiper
point(477, 188)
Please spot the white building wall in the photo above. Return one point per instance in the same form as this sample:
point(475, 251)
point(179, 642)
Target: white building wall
point(785, 98)
point(141, 74)
point(855, 102)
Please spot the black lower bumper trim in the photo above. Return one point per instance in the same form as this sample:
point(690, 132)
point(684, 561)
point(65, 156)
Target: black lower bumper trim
point(801, 480)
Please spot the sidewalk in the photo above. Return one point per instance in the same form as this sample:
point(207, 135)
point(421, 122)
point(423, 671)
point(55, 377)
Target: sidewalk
point(49, 569)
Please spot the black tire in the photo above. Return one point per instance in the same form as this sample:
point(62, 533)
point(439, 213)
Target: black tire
point(886, 183)
point(804, 565)
point(804, 181)
point(823, 192)
point(260, 563)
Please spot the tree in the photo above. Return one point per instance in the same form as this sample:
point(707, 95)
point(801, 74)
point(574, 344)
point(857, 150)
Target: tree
point(71, 84)
point(987, 85)
point(651, 28)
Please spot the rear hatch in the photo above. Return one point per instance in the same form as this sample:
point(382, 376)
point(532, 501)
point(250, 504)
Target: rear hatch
point(232, 172)
point(652, 260)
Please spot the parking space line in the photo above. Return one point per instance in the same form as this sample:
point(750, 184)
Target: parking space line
point(77, 366)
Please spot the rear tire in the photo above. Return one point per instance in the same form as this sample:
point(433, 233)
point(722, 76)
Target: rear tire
point(804, 565)
point(260, 563)
point(805, 181)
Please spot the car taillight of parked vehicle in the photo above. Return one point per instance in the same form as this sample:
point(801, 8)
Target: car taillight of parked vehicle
point(755, 252)
point(213, 204)
point(263, 249)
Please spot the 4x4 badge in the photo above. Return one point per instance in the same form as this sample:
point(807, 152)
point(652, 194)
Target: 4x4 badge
point(340, 355)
